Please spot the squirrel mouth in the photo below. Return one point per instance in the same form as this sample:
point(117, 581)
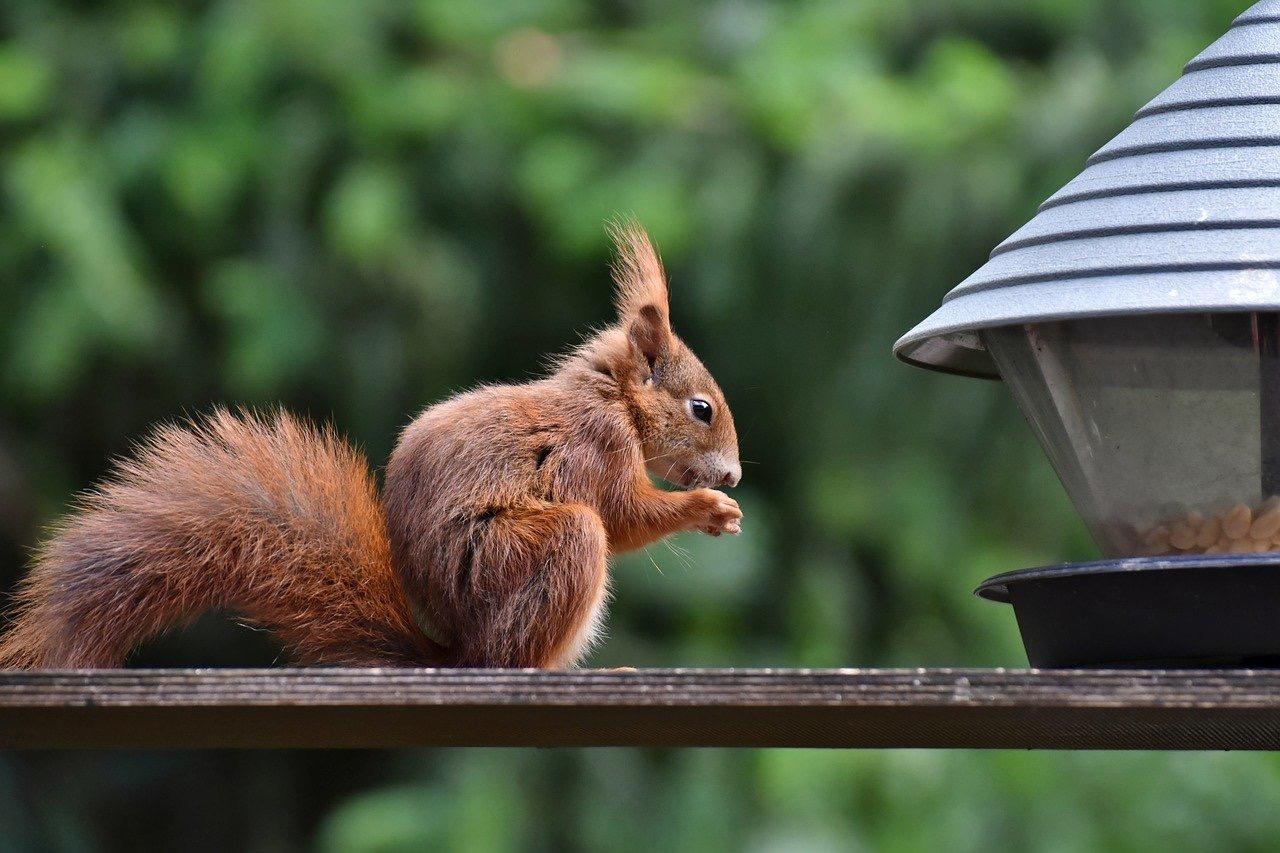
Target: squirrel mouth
point(689, 478)
point(684, 476)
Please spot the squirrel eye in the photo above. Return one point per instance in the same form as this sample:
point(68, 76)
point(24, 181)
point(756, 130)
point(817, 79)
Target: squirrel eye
point(700, 409)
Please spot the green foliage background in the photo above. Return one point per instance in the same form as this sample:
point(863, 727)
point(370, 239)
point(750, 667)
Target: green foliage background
point(358, 207)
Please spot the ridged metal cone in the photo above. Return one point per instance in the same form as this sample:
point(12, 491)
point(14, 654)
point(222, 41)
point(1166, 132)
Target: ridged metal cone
point(1178, 213)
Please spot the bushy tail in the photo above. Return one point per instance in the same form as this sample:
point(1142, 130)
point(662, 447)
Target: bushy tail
point(267, 517)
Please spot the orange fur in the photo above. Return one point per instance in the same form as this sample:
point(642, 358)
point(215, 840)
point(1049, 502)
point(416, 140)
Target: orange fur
point(501, 507)
point(269, 518)
point(638, 276)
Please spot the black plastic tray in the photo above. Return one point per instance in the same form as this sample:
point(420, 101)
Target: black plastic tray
point(1202, 611)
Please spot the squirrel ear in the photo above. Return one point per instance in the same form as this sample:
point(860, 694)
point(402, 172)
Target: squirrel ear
point(641, 291)
point(650, 335)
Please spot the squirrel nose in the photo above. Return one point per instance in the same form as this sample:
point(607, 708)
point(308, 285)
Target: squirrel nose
point(731, 477)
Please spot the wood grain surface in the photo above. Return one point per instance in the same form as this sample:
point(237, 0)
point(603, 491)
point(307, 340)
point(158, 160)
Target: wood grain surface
point(949, 708)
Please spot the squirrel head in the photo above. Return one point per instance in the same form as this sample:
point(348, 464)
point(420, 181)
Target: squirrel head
point(685, 425)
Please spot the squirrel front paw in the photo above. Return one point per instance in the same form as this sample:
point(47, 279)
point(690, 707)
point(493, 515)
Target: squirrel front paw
point(716, 513)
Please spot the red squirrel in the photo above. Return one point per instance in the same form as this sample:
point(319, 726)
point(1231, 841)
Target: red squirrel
point(489, 546)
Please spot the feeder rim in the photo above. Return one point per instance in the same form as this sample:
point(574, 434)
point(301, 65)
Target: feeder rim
point(913, 340)
point(996, 588)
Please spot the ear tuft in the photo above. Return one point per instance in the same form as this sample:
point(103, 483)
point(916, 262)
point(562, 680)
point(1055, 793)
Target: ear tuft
point(641, 291)
point(637, 272)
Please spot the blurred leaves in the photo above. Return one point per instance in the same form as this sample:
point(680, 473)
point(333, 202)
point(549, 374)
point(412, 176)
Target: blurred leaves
point(357, 208)
point(25, 83)
point(486, 812)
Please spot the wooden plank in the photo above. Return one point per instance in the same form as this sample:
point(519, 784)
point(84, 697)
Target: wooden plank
point(1025, 709)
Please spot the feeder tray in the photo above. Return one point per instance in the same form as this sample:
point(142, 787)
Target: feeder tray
point(1136, 320)
point(1180, 612)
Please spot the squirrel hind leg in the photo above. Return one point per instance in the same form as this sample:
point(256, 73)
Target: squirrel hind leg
point(548, 607)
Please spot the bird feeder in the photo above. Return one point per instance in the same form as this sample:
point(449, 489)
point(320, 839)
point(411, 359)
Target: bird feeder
point(1136, 320)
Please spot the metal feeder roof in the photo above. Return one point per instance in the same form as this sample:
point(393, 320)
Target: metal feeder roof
point(1178, 213)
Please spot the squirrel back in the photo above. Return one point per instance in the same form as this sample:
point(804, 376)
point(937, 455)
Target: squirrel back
point(266, 517)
